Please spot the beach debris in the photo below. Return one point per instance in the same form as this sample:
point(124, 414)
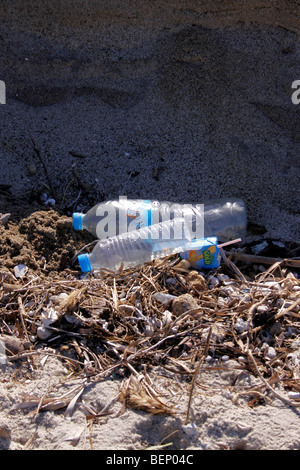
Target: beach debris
point(51, 400)
point(48, 316)
point(136, 393)
point(20, 270)
point(106, 325)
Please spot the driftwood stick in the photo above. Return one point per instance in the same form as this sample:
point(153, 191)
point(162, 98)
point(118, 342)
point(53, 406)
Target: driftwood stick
point(291, 262)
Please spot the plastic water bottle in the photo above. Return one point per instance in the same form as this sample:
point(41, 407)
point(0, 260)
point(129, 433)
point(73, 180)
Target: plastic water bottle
point(225, 219)
point(137, 247)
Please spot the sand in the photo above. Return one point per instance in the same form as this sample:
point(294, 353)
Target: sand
point(167, 104)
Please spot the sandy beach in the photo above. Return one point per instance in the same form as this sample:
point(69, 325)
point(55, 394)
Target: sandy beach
point(149, 100)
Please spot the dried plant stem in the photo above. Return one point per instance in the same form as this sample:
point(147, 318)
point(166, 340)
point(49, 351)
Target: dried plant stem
point(232, 266)
point(291, 307)
point(22, 315)
point(196, 373)
point(278, 395)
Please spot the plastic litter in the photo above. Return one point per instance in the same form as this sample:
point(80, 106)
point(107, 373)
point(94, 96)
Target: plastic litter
point(137, 247)
point(224, 219)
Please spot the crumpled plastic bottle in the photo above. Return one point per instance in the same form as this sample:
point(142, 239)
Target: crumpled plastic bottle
point(225, 219)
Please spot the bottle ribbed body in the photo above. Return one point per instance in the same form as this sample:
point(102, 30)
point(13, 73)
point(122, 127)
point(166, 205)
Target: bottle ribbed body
point(140, 246)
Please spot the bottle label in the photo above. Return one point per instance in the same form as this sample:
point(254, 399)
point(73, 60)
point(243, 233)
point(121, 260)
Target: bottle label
point(206, 256)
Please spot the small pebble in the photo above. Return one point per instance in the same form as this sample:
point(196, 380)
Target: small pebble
point(43, 333)
point(171, 281)
point(213, 281)
point(50, 201)
point(242, 359)
point(191, 429)
point(223, 277)
point(164, 298)
point(262, 308)
point(5, 432)
point(294, 395)
point(31, 169)
point(225, 358)
point(241, 325)
point(184, 303)
point(271, 353)
point(261, 268)
point(4, 218)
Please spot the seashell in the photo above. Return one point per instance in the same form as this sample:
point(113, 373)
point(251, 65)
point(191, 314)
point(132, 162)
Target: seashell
point(20, 270)
point(49, 316)
point(166, 318)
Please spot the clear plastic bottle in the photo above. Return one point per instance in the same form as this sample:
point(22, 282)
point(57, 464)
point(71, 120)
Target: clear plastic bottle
point(225, 219)
point(137, 247)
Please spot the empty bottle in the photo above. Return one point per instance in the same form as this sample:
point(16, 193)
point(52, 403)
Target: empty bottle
point(137, 247)
point(224, 218)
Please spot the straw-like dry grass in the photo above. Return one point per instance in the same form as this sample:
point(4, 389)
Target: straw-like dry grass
point(106, 324)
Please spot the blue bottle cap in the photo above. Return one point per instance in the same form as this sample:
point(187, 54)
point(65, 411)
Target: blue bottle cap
point(84, 263)
point(77, 221)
